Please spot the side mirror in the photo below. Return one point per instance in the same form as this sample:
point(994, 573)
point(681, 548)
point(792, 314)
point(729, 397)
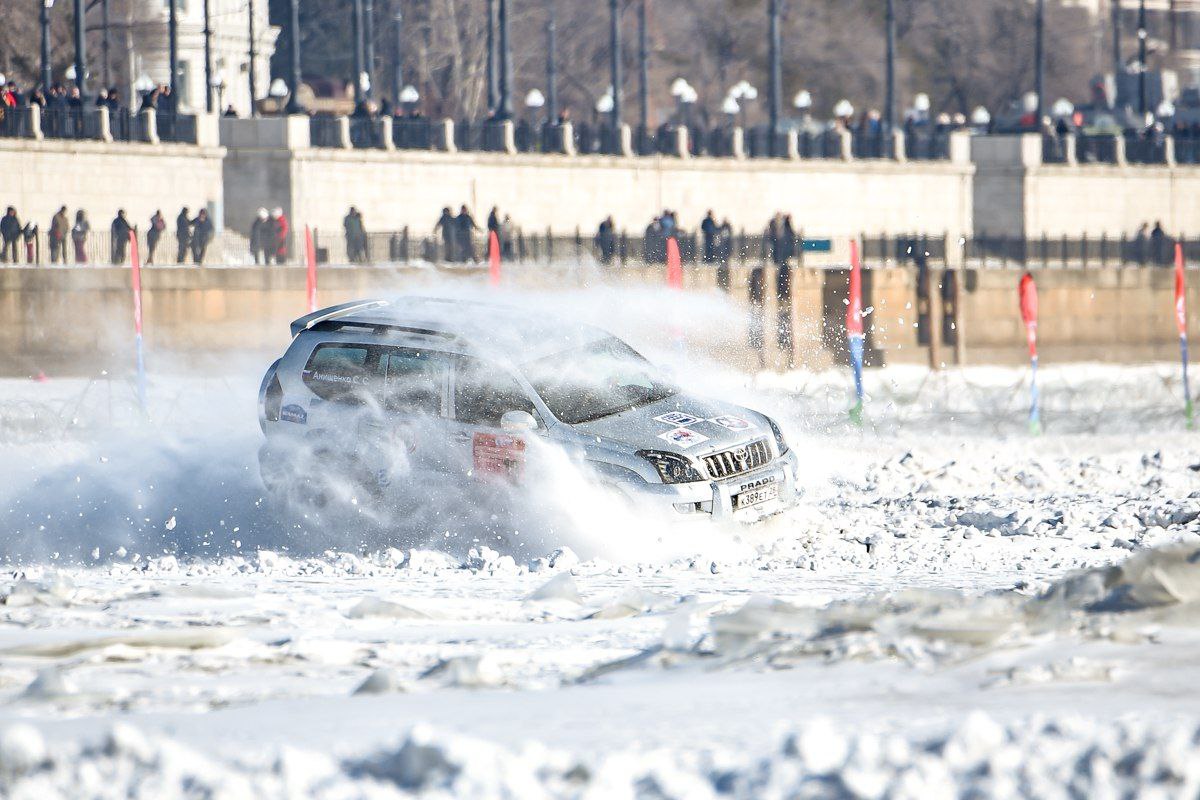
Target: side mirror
point(518, 421)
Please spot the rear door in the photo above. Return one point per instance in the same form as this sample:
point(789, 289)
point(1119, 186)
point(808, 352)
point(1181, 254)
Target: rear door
point(409, 429)
point(483, 393)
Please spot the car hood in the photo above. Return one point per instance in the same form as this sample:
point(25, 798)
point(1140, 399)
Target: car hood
point(681, 424)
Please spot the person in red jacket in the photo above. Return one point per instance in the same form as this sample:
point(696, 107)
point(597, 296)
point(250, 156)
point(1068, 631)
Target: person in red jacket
point(281, 228)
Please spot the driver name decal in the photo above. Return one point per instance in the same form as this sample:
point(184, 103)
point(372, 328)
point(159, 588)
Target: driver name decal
point(678, 418)
point(731, 422)
point(683, 438)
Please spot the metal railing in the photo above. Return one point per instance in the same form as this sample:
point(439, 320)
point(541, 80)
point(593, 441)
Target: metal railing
point(931, 146)
point(870, 144)
point(325, 130)
point(366, 133)
point(1096, 149)
point(1145, 150)
point(70, 122)
point(14, 122)
point(178, 128)
point(412, 133)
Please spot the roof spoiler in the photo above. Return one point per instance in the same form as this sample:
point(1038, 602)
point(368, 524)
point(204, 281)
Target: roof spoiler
point(333, 312)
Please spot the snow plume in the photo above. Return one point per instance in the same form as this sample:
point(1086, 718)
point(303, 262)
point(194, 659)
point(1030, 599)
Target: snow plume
point(85, 483)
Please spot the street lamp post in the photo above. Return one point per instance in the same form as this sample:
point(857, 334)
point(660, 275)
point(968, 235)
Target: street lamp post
point(1040, 55)
point(776, 78)
point(173, 47)
point(551, 64)
point(293, 104)
point(47, 76)
point(253, 58)
point(105, 61)
point(1116, 40)
point(358, 52)
point(81, 49)
point(1142, 35)
point(398, 57)
point(369, 45)
point(889, 112)
point(615, 62)
point(208, 63)
point(643, 67)
point(505, 110)
point(217, 82)
point(493, 87)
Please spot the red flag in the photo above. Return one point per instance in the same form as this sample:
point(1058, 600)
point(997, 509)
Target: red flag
point(1029, 311)
point(1180, 292)
point(310, 258)
point(674, 265)
point(494, 258)
point(136, 262)
point(854, 310)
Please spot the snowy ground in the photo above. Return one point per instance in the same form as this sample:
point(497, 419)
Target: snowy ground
point(912, 631)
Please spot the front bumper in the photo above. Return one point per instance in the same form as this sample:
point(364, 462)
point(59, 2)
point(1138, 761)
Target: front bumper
point(714, 499)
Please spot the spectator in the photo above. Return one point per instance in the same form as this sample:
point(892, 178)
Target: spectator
point(655, 243)
point(149, 101)
point(60, 226)
point(708, 230)
point(183, 236)
point(202, 235)
point(724, 253)
point(606, 240)
point(1139, 244)
point(79, 236)
point(493, 222)
point(10, 233)
point(507, 245)
point(231, 112)
point(158, 224)
point(445, 224)
point(356, 236)
point(465, 227)
point(1158, 244)
point(120, 237)
point(30, 233)
point(281, 230)
point(166, 100)
point(102, 98)
point(260, 237)
point(114, 100)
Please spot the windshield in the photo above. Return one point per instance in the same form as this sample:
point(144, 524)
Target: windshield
point(599, 379)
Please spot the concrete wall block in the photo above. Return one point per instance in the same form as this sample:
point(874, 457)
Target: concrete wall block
point(151, 118)
point(566, 144)
point(35, 123)
point(385, 132)
point(739, 142)
point(900, 147)
point(208, 130)
point(444, 136)
point(344, 133)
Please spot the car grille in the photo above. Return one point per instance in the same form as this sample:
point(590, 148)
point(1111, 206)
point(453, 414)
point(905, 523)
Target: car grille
point(739, 460)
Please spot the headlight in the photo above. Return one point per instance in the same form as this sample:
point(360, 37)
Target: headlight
point(779, 440)
point(672, 468)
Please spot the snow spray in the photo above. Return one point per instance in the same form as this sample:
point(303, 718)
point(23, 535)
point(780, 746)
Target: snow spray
point(1029, 313)
point(493, 259)
point(854, 331)
point(310, 259)
point(1181, 323)
point(136, 263)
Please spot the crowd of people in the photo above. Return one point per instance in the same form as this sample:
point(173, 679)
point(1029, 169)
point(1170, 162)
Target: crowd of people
point(193, 235)
point(13, 97)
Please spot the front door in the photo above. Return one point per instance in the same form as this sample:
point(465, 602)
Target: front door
point(483, 393)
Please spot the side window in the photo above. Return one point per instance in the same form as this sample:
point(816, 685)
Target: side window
point(483, 393)
point(341, 373)
point(414, 381)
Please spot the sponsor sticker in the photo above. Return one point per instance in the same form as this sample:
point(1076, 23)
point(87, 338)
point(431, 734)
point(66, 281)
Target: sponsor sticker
point(294, 413)
point(731, 422)
point(678, 418)
point(683, 437)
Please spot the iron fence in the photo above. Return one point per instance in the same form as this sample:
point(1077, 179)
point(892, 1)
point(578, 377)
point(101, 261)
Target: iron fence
point(1096, 149)
point(178, 128)
point(931, 146)
point(366, 133)
point(1187, 150)
point(14, 122)
point(412, 133)
point(871, 144)
point(1145, 149)
point(325, 130)
point(71, 122)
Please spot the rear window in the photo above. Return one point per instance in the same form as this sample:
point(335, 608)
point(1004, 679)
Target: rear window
point(341, 373)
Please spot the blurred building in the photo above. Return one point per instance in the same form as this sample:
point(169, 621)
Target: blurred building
point(230, 22)
point(1173, 26)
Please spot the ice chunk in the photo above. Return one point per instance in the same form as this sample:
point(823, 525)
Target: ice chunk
point(22, 750)
point(564, 558)
point(468, 672)
point(50, 684)
point(375, 607)
point(560, 587)
point(382, 681)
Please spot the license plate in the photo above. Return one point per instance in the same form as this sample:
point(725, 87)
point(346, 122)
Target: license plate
point(756, 497)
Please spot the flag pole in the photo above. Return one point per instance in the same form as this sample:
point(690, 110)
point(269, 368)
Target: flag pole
point(1029, 315)
point(136, 263)
point(854, 331)
point(1181, 323)
point(310, 260)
